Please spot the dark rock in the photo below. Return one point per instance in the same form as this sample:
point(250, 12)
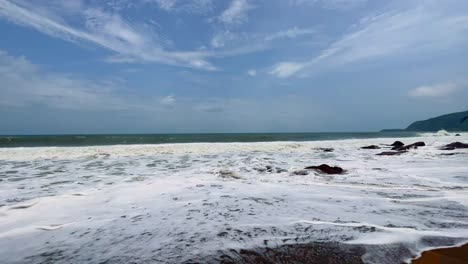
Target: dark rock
point(326, 169)
point(455, 145)
point(415, 145)
point(371, 147)
point(397, 144)
point(410, 146)
point(457, 135)
point(391, 153)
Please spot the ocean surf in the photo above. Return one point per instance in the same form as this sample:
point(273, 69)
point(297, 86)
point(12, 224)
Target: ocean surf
point(232, 202)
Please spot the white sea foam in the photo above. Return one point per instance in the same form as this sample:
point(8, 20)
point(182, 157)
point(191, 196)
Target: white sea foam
point(165, 203)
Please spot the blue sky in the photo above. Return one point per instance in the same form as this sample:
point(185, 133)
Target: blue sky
point(162, 66)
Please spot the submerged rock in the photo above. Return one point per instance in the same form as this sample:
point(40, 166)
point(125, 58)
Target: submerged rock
point(391, 153)
point(326, 149)
point(270, 169)
point(260, 169)
point(449, 154)
point(281, 170)
point(371, 147)
point(455, 145)
point(326, 169)
point(301, 172)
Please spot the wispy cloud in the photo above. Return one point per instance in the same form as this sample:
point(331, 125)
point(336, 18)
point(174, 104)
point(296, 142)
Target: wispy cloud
point(168, 101)
point(220, 38)
point(331, 4)
point(24, 83)
point(242, 43)
point(193, 6)
point(252, 72)
point(396, 34)
point(130, 42)
point(166, 4)
point(236, 13)
point(291, 33)
point(437, 90)
point(286, 69)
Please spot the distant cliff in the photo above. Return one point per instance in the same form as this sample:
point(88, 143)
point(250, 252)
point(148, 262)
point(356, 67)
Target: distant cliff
point(450, 122)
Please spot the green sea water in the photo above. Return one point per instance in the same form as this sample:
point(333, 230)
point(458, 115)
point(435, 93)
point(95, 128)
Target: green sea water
point(128, 139)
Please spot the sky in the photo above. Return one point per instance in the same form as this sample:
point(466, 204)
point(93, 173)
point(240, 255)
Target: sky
point(207, 66)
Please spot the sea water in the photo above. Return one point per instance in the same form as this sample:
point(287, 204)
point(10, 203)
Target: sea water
point(110, 200)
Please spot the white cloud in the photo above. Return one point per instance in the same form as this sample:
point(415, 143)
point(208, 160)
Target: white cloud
point(166, 4)
point(168, 101)
point(252, 72)
point(24, 83)
point(108, 30)
point(236, 13)
point(192, 7)
point(331, 4)
point(221, 38)
point(286, 69)
point(421, 29)
point(438, 90)
point(291, 33)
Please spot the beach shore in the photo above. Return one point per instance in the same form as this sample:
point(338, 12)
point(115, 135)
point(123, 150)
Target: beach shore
point(234, 202)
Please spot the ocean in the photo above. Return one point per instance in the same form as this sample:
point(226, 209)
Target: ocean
point(116, 139)
point(188, 198)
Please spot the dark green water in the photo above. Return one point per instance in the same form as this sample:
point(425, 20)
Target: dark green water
point(96, 140)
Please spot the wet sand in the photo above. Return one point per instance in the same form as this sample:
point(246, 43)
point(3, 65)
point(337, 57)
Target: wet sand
point(296, 253)
point(314, 253)
point(455, 255)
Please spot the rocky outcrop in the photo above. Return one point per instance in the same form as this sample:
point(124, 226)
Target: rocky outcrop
point(455, 145)
point(324, 168)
